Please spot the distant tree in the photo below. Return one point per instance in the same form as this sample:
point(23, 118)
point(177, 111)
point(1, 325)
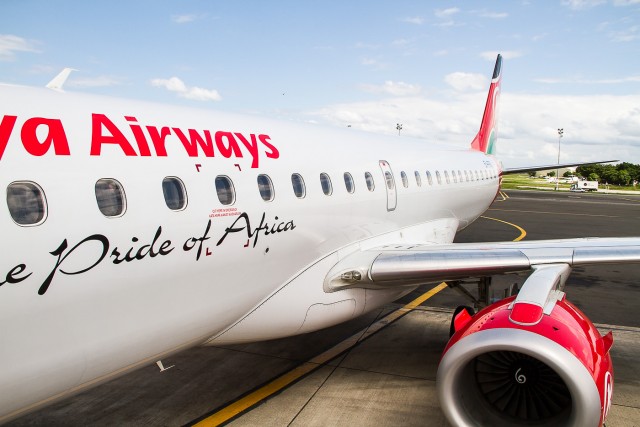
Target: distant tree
point(621, 174)
point(552, 174)
point(585, 171)
point(624, 178)
point(533, 174)
point(631, 169)
point(610, 174)
point(567, 174)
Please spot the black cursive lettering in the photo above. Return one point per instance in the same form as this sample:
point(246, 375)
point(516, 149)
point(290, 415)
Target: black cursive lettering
point(61, 250)
point(191, 242)
point(12, 275)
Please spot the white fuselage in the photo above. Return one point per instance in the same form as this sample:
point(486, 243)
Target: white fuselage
point(128, 290)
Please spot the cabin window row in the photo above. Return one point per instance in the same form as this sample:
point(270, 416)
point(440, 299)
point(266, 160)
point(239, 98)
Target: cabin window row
point(28, 205)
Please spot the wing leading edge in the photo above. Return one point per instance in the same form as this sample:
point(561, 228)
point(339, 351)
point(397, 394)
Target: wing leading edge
point(396, 266)
point(509, 171)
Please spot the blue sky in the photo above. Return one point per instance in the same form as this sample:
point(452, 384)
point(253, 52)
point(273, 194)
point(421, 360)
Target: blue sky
point(369, 64)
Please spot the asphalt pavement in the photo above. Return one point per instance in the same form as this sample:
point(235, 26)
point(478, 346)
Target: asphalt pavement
point(378, 369)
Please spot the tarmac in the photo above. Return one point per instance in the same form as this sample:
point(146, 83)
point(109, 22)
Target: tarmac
point(378, 369)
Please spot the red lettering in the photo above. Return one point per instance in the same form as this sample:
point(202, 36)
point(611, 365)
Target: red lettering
point(143, 146)
point(158, 139)
point(231, 148)
point(191, 144)
point(252, 147)
point(55, 135)
point(274, 153)
point(6, 126)
point(116, 137)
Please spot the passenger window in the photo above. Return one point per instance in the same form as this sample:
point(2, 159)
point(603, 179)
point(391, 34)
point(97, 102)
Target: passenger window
point(325, 182)
point(454, 176)
point(477, 177)
point(438, 177)
point(266, 188)
point(446, 177)
point(429, 178)
point(298, 185)
point(405, 180)
point(389, 179)
point(26, 202)
point(110, 197)
point(369, 178)
point(224, 189)
point(175, 195)
point(418, 179)
point(460, 176)
point(348, 182)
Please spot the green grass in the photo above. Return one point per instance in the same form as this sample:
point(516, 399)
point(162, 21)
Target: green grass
point(523, 180)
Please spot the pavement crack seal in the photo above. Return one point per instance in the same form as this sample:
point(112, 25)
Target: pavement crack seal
point(254, 398)
point(277, 385)
point(344, 355)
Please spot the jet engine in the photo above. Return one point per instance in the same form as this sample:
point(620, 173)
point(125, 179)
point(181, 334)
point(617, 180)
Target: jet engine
point(529, 360)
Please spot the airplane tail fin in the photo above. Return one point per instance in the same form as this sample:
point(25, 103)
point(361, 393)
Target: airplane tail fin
point(485, 140)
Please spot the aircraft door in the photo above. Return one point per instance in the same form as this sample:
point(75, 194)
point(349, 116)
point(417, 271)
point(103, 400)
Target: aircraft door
point(390, 185)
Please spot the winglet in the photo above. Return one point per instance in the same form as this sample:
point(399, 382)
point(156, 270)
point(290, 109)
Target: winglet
point(488, 134)
point(58, 81)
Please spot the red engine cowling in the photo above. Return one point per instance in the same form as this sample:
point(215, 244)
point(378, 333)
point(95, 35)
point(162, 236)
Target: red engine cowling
point(504, 368)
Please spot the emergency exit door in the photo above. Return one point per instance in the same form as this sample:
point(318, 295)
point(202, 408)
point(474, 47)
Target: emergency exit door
point(390, 185)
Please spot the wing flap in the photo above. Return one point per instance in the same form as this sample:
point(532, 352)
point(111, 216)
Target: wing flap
point(394, 266)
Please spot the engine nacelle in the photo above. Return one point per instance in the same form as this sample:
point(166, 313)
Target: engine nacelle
point(504, 368)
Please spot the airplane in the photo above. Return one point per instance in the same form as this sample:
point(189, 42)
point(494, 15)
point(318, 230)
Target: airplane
point(132, 231)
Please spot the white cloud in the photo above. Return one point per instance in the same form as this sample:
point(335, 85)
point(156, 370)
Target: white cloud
point(372, 62)
point(494, 15)
point(99, 81)
point(539, 37)
point(184, 19)
point(619, 80)
point(174, 84)
point(446, 13)
point(44, 69)
point(627, 35)
point(369, 46)
point(393, 88)
point(417, 20)
point(582, 4)
point(466, 81)
point(595, 127)
point(10, 44)
point(401, 42)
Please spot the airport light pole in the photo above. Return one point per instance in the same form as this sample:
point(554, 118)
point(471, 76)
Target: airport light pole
point(560, 132)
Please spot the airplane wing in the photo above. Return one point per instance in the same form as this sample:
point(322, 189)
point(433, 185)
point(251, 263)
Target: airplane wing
point(406, 265)
point(509, 171)
point(531, 358)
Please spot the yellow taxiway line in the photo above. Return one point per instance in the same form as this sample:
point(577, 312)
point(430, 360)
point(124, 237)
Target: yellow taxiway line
point(236, 408)
point(241, 405)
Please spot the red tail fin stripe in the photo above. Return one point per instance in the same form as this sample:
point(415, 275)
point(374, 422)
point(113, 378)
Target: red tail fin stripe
point(487, 135)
